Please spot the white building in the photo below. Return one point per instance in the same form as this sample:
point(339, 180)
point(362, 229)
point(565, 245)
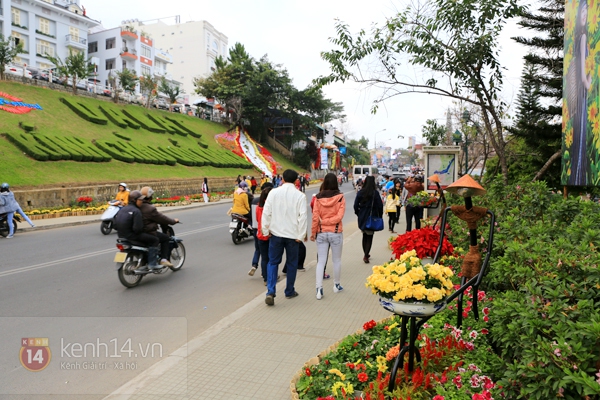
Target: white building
point(194, 46)
point(124, 47)
point(52, 27)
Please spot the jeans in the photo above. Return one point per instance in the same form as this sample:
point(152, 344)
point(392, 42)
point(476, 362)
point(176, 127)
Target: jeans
point(336, 242)
point(257, 254)
point(417, 213)
point(25, 217)
point(11, 223)
point(263, 246)
point(301, 257)
point(276, 247)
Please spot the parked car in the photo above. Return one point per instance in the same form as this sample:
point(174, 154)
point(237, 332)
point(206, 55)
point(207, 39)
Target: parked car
point(15, 70)
point(44, 75)
point(161, 104)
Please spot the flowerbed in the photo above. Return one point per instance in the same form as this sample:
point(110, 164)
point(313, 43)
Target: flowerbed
point(65, 212)
point(456, 363)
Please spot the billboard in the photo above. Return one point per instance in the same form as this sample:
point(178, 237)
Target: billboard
point(580, 117)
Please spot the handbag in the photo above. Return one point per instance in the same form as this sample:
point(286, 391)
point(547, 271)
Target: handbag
point(374, 223)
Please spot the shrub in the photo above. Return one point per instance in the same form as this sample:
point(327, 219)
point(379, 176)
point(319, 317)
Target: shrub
point(26, 126)
point(143, 122)
point(182, 127)
point(28, 146)
point(113, 116)
point(167, 125)
point(120, 136)
point(84, 112)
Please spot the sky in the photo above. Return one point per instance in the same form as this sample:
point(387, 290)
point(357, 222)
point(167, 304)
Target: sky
point(293, 33)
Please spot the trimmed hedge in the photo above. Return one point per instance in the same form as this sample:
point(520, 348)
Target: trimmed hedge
point(84, 112)
point(174, 142)
point(28, 145)
point(203, 143)
point(169, 127)
point(144, 123)
point(26, 126)
point(122, 136)
point(181, 126)
point(88, 149)
point(114, 117)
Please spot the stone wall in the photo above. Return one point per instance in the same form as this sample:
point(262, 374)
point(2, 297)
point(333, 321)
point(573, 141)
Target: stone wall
point(64, 195)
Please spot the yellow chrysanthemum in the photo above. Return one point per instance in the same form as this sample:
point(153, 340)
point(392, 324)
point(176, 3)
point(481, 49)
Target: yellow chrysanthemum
point(381, 364)
point(337, 372)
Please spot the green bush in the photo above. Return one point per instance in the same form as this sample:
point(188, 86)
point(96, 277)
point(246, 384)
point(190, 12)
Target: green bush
point(28, 146)
point(111, 149)
point(143, 121)
point(545, 281)
point(174, 142)
point(120, 136)
point(26, 126)
point(113, 116)
point(203, 143)
point(182, 127)
point(84, 112)
point(166, 124)
point(88, 149)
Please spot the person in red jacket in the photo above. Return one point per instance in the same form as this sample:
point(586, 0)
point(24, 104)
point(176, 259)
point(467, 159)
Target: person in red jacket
point(263, 241)
point(328, 212)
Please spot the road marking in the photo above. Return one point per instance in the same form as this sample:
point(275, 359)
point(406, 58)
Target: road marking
point(94, 254)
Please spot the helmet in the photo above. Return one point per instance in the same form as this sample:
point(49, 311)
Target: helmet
point(243, 185)
point(4, 187)
point(123, 184)
point(134, 195)
point(147, 192)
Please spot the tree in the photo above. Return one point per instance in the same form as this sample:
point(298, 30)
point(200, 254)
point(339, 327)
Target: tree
point(8, 51)
point(434, 134)
point(74, 67)
point(172, 91)
point(124, 80)
point(538, 121)
point(148, 87)
point(455, 42)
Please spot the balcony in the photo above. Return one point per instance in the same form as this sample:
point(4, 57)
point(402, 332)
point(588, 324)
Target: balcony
point(163, 56)
point(76, 41)
point(128, 35)
point(161, 73)
point(128, 54)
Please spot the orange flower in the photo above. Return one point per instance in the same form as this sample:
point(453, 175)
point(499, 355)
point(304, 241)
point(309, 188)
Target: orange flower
point(392, 353)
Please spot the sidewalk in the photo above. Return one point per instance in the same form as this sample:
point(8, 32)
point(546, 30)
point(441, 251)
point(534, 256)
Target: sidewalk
point(255, 352)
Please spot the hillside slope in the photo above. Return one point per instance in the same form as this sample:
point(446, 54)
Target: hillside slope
point(75, 139)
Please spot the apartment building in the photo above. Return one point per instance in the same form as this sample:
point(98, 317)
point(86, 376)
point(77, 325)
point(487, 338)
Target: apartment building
point(45, 27)
point(125, 47)
point(193, 46)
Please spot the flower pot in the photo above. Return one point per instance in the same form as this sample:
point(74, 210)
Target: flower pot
point(412, 309)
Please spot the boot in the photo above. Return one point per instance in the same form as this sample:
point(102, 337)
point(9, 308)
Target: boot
point(153, 258)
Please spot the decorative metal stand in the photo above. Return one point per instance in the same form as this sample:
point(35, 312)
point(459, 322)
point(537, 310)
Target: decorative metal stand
point(473, 270)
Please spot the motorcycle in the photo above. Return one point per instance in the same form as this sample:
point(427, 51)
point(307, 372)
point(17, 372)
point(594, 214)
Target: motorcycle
point(4, 224)
point(108, 217)
point(239, 229)
point(132, 256)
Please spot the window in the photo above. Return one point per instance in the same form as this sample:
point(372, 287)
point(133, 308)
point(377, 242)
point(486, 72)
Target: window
point(110, 44)
point(146, 52)
point(145, 70)
point(75, 51)
point(110, 64)
point(18, 39)
point(215, 45)
point(45, 48)
point(44, 26)
point(74, 32)
point(16, 16)
point(92, 47)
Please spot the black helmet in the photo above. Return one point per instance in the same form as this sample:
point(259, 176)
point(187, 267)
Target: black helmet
point(134, 195)
point(4, 187)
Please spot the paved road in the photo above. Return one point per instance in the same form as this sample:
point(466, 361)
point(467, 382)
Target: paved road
point(61, 284)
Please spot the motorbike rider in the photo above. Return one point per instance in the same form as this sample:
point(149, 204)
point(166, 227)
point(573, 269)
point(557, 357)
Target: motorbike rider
point(130, 225)
point(123, 195)
point(152, 219)
point(241, 203)
point(10, 206)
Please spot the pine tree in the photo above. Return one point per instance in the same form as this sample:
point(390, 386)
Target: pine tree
point(540, 100)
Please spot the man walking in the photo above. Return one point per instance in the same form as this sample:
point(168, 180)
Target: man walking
point(284, 219)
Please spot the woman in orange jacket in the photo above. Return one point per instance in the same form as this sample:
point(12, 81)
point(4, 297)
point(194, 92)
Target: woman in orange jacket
point(328, 212)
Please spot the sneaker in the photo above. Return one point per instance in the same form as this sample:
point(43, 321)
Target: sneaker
point(291, 296)
point(337, 288)
point(270, 300)
point(9, 236)
point(326, 276)
point(165, 262)
point(319, 293)
point(252, 271)
point(302, 269)
point(33, 225)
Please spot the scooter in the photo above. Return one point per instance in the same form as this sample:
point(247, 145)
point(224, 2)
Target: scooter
point(108, 217)
point(4, 224)
point(132, 256)
point(239, 229)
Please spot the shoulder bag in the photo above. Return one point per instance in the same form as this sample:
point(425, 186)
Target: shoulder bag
point(374, 223)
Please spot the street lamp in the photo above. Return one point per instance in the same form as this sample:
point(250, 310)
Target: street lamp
point(457, 137)
point(375, 144)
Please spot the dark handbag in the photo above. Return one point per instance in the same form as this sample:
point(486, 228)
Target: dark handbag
point(374, 223)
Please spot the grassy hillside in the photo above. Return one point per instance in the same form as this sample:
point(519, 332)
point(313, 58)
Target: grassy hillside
point(181, 136)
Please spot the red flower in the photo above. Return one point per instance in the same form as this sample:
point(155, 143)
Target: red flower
point(307, 371)
point(369, 325)
point(355, 344)
point(424, 241)
point(350, 365)
point(362, 377)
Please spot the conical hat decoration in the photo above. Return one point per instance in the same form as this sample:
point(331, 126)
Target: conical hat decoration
point(434, 178)
point(466, 187)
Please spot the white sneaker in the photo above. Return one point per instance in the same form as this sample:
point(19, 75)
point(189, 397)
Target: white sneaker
point(319, 293)
point(165, 262)
point(337, 288)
